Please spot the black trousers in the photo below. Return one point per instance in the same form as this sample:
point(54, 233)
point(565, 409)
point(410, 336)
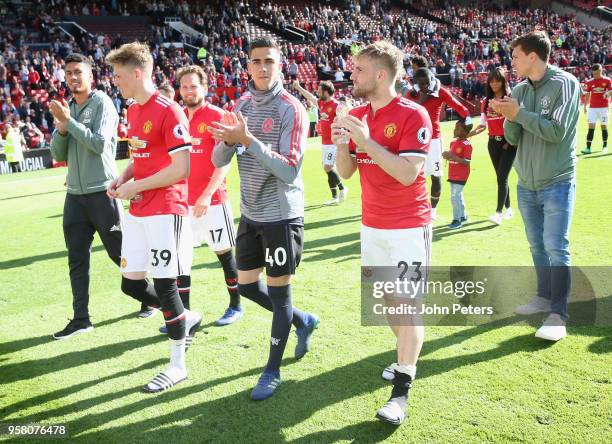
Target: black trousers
point(84, 215)
point(502, 156)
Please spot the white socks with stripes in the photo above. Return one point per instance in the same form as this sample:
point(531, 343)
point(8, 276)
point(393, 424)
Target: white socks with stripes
point(175, 372)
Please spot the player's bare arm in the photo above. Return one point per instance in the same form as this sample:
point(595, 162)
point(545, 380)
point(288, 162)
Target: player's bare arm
point(176, 171)
point(127, 175)
point(310, 98)
point(201, 206)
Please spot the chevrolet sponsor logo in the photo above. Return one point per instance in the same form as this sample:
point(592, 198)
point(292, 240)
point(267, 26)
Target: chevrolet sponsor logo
point(136, 143)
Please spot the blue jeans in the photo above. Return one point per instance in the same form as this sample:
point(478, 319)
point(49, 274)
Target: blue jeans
point(547, 214)
point(457, 201)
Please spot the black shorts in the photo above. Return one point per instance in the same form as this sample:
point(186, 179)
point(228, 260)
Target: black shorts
point(277, 247)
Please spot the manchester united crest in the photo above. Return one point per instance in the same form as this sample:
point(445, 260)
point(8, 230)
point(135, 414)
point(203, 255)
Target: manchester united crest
point(390, 130)
point(202, 127)
point(267, 125)
point(147, 127)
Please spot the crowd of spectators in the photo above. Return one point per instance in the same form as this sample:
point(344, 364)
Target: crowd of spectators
point(461, 44)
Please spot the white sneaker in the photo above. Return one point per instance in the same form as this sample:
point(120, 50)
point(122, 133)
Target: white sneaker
point(604, 149)
point(434, 213)
point(552, 329)
point(333, 201)
point(496, 218)
point(536, 305)
point(508, 214)
point(343, 195)
point(388, 374)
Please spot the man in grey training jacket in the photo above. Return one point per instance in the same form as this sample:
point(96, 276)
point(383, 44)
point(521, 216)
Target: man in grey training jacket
point(86, 138)
point(267, 132)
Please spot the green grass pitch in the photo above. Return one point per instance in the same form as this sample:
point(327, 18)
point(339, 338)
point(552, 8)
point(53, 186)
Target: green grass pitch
point(474, 384)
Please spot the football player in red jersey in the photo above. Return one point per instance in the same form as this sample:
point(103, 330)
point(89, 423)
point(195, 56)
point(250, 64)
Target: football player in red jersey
point(156, 236)
point(210, 210)
point(327, 105)
point(389, 141)
point(597, 97)
point(428, 91)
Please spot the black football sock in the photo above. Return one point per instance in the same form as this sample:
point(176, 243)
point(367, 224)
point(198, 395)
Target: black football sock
point(228, 262)
point(604, 137)
point(172, 307)
point(401, 384)
point(590, 135)
point(281, 325)
point(183, 283)
point(258, 293)
point(141, 290)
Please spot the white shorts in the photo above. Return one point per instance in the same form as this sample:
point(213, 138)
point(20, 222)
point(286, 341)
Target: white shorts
point(596, 114)
point(158, 244)
point(216, 227)
point(328, 154)
point(387, 248)
point(433, 164)
point(402, 253)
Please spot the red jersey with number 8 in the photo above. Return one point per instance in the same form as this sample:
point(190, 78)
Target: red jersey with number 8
point(156, 130)
point(327, 114)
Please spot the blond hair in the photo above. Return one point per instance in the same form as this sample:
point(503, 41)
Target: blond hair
point(135, 54)
point(192, 69)
point(385, 53)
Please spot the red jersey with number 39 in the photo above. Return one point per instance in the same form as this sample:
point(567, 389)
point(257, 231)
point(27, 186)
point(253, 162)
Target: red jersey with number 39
point(156, 130)
point(203, 143)
point(327, 114)
point(403, 128)
point(598, 88)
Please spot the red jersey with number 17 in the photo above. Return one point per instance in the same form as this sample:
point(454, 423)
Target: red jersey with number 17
point(403, 128)
point(156, 130)
point(203, 143)
point(327, 114)
point(598, 88)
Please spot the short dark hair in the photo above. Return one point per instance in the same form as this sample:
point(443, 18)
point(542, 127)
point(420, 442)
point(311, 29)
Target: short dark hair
point(536, 41)
point(466, 127)
point(76, 57)
point(263, 42)
point(327, 86)
point(422, 74)
point(596, 67)
point(419, 61)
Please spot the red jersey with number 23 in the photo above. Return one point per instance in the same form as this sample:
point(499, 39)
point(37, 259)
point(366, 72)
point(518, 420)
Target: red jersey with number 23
point(203, 143)
point(327, 114)
point(156, 130)
point(403, 128)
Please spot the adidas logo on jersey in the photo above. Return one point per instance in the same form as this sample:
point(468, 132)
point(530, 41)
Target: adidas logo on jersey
point(115, 228)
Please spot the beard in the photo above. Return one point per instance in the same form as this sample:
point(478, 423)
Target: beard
point(364, 90)
point(194, 103)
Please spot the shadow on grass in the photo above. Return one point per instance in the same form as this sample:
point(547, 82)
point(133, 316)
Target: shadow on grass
point(23, 344)
point(38, 367)
point(35, 194)
point(25, 261)
point(443, 231)
point(295, 402)
point(68, 391)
